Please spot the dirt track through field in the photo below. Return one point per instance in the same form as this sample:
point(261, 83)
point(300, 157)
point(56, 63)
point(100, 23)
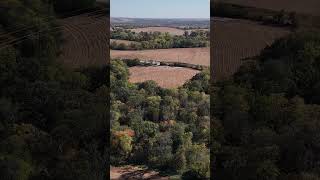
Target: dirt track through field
point(197, 56)
point(235, 40)
point(164, 76)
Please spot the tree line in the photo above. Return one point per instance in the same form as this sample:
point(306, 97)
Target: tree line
point(157, 40)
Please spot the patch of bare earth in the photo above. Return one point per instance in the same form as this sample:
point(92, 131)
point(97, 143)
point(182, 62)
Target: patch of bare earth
point(164, 76)
point(235, 40)
point(134, 173)
point(198, 56)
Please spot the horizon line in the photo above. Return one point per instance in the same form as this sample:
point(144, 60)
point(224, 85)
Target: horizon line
point(160, 17)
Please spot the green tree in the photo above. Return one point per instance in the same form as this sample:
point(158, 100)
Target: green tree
point(153, 108)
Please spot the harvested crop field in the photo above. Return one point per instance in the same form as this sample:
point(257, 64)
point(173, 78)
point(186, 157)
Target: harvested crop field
point(305, 6)
point(164, 76)
point(235, 40)
point(170, 30)
point(173, 31)
point(197, 56)
point(86, 40)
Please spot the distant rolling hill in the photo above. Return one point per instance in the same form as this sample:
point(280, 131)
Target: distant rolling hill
point(161, 22)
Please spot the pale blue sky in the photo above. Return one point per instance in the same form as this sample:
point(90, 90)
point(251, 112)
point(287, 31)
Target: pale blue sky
point(160, 8)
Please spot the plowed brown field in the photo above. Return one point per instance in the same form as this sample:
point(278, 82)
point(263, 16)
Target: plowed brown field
point(234, 40)
point(164, 76)
point(200, 56)
point(86, 39)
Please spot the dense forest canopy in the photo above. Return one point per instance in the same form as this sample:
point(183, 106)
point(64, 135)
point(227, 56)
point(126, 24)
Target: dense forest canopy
point(167, 129)
point(52, 119)
point(266, 119)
